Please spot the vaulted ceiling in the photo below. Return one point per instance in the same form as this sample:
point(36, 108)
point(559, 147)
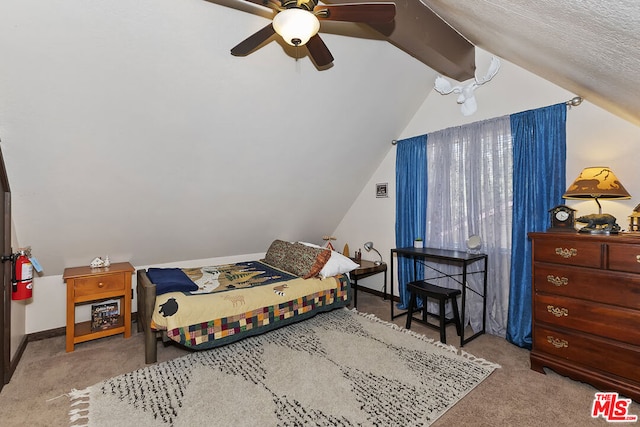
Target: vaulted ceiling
point(588, 47)
point(128, 129)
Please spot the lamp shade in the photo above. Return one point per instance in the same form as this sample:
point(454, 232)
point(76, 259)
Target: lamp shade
point(596, 182)
point(296, 26)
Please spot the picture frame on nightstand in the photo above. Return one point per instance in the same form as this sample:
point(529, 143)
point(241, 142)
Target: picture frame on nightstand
point(104, 315)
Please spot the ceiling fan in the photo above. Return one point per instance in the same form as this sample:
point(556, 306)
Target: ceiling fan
point(297, 22)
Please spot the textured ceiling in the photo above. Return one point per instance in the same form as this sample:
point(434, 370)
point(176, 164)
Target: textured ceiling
point(588, 47)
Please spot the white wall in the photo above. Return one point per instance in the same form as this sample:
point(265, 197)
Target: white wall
point(124, 123)
point(129, 125)
point(47, 309)
point(594, 137)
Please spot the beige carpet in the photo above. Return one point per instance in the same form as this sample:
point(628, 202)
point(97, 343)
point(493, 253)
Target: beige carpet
point(339, 368)
point(513, 395)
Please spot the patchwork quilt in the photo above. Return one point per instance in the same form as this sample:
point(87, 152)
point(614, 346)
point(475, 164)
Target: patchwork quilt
point(243, 298)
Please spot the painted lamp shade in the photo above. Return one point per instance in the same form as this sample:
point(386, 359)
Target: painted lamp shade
point(596, 182)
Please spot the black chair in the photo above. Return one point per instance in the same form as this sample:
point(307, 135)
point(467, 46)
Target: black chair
point(427, 290)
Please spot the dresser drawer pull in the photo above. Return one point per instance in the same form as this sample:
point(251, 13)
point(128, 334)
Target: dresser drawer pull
point(637, 258)
point(557, 281)
point(557, 311)
point(101, 285)
point(566, 253)
point(557, 343)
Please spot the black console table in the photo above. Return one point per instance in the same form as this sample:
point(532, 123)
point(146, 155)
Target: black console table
point(459, 258)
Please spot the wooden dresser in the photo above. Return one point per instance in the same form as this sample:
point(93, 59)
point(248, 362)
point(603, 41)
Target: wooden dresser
point(586, 309)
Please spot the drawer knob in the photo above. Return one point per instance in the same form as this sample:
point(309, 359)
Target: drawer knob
point(556, 342)
point(566, 253)
point(101, 285)
point(557, 311)
point(637, 258)
point(557, 281)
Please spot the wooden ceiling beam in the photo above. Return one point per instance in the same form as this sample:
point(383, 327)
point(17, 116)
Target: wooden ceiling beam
point(421, 33)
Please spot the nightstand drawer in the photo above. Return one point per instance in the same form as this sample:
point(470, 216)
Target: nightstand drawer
point(96, 285)
point(571, 252)
point(598, 319)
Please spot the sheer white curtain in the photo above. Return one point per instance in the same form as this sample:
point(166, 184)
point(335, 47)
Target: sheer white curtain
point(470, 192)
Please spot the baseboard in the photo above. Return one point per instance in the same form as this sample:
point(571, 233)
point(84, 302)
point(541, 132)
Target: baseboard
point(377, 293)
point(43, 335)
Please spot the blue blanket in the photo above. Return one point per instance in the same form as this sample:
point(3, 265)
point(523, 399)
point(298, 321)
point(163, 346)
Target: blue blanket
point(170, 280)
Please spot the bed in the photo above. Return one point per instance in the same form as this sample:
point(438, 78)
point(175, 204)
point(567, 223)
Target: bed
point(206, 307)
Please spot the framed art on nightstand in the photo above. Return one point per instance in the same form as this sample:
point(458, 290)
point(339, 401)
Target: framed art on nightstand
point(104, 315)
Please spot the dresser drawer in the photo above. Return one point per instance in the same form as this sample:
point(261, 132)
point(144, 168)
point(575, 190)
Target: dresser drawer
point(569, 252)
point(624, 257)
point(596, 285)
point(96, 285)
point(590, 351)
point(599, 319)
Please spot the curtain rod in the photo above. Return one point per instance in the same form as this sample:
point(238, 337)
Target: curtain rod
point(573, 102)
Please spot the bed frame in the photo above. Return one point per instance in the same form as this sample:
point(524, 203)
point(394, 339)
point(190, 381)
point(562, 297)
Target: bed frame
point(146, 293)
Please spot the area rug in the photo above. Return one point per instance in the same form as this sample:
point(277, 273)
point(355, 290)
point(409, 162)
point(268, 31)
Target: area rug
point(340, 368)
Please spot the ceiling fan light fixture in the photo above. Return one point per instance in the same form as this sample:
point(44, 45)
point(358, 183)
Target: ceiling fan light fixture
point(296, 26)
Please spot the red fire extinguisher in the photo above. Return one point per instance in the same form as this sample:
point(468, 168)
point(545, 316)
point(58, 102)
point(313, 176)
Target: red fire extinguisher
point(23, 282)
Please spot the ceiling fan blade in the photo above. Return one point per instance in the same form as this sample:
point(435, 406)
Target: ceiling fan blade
point(319, 51)
point(358, 12)
point(246, 46)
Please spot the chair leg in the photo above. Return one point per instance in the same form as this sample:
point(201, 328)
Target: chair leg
point(456, 315)
point(443, 322)
point(412, 303)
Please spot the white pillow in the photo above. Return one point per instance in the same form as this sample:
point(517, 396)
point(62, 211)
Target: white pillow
point(337, 264)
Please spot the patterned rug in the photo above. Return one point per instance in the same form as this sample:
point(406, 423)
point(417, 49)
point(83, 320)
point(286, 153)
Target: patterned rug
point(340, 368)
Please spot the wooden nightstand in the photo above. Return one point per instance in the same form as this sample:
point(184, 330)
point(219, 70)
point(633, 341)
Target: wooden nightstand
point(366, 269)
point(86, 285)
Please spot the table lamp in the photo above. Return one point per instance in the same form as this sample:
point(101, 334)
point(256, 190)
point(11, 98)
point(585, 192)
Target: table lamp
point(597, 182)
point(368, 247)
